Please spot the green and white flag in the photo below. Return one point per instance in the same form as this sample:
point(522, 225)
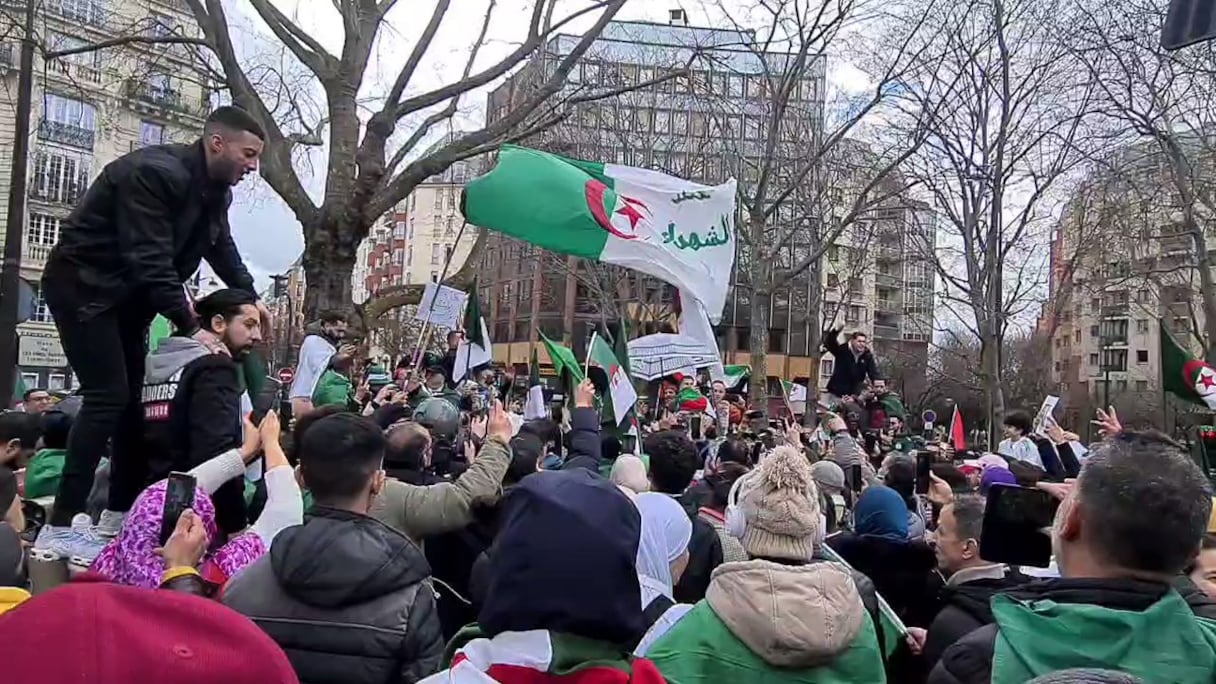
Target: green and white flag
point(793, 392)
point(611, 378)
point(474, 349)
point(736, 375)
point(534, 406)
point(680, 232)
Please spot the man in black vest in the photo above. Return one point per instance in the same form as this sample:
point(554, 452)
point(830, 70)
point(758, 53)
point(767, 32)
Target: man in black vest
point(123, 255)
point(192, 398)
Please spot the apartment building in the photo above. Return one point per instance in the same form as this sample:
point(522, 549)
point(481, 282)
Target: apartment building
point(89, 108)
point(707, 127)
point(1122, 266)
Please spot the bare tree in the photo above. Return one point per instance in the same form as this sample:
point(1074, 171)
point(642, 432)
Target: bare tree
point(370, 166)
point(1161, 107)
point(1005, 118)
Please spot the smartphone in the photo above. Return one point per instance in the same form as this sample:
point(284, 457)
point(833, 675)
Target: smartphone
point(179, 495)
point(694, 426)
point(855, 474)
point(267, 399)
point(1014, 522)
point(924, 462)
point(629, 444)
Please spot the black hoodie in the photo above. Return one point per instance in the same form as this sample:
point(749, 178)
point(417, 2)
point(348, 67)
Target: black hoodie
point(347, 598)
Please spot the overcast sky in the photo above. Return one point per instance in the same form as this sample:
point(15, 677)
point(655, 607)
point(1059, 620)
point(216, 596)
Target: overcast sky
point(266, 231)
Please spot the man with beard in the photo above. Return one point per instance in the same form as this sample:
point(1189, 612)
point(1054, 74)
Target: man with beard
point(145, 224)
point(192, 398)
point(319, 352)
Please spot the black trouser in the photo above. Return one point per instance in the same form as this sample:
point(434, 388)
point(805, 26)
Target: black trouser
point(106, 352)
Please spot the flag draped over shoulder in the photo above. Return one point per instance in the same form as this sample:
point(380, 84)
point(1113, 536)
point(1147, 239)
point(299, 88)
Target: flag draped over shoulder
point(1185, 376)
point(541, 657)
point(680, 232)
point(474, 349)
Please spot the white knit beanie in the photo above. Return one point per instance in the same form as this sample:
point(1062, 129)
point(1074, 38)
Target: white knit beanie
point(780, 505)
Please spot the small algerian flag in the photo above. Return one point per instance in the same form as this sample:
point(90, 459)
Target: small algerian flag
point(1185, 376)
point(563, 360)
point(534, 407)
point(793, 392)
point(892, 628)
point(610, 377)
point(737, 375)
point(536, 656)
point(680, 232)
point(620, 348)
point(474, 349)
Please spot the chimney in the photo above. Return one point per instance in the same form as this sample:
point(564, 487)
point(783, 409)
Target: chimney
point(677, 17)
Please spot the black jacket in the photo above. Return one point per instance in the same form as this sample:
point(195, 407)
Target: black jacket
point(970, 659)
point(584, 440)
point(347, 598)
point(704, 555)
point(141, 230)
point(848, 371)
point(903, 572)
point(965, 608)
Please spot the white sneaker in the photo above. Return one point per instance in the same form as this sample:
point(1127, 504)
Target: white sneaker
point(110, 523)
point(53, 543)
point(85, 543)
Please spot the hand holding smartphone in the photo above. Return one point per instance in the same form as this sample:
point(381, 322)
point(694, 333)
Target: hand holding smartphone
point(179, 495)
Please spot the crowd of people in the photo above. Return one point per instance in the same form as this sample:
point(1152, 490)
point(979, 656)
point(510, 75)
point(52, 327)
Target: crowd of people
point(414, 529)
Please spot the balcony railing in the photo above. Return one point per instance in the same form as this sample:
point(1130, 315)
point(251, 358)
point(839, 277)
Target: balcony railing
point(63, 192)
point(887, 305)
point(1109, 310)
point(886, 331)
point(35, 252)
point(65, 133)
point(888, 280)
point(167, 98)
point(85, 73)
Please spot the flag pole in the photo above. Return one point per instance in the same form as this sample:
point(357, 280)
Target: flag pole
point(424, 336)
point(590, 348)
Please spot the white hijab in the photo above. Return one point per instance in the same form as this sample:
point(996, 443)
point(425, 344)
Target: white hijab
point(666, 531)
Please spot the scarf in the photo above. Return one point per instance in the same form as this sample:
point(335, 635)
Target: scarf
point(131, 558)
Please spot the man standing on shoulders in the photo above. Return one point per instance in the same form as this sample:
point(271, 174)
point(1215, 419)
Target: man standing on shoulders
point(318, 354)
point(192, 401)
point(1123, 534)
point(140, 231)
point(854, 362)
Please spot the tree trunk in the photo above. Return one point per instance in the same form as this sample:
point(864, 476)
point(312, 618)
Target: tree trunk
point(329, 259)
point(758, 316)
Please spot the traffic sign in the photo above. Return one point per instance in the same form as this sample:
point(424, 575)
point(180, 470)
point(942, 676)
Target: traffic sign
point(287, 375)
point(929, 416)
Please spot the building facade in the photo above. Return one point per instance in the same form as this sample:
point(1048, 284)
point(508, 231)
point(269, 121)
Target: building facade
point(1123, 267)
point(707, 127)
point(89, 108)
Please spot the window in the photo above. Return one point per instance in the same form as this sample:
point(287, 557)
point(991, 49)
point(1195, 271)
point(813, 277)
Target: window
point(833, 280)
point(679, 123)
point(42, 313)
point(399, 230)
point(776, 341)
point(59, 176)
point(833, 253)
point(88, 11)
point(662, 121)
point(1095, 304)
point(434, 276)
point(436, 254)
point(161, 25)
point(1120, 385)
point(68, 121)
point(88, 60)
point(1142, 385)
point(1141, 356)
point(1115, 360)
point(1142, 326)
point(397, 257)
point(1093, 359)
point(1093, 331)
point(43, 230)
point(826, 366)
point(151, 133)
point(56, 381)
point(447, 253)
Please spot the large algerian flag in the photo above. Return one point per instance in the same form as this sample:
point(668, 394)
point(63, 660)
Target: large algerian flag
point(610, 377)
point(1185, 376)
point(474, 349)
point(793, 392)
point(534, 407)
point(541, 656)
point(678, 231)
